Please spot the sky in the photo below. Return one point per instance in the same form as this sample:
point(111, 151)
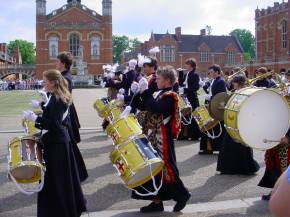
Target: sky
point(139, 18)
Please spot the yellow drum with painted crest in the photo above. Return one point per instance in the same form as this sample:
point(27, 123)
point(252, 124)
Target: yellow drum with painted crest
point(203, 119)
point(25, 162)
point(136, 161)
point(101, 105)
point(123, 129)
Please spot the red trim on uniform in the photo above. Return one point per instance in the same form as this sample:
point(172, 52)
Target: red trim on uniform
point(176, 119)
point(165, 157)
point(151, 79)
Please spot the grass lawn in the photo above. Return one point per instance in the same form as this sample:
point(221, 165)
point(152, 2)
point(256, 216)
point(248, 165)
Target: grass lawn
point(14, 102)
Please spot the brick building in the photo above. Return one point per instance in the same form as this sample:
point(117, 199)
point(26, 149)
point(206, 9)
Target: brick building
point(9, 59)
point(206, 49)
point(272, 37)
point(77, 29)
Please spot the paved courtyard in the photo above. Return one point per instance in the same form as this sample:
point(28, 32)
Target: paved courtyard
point(212, 194)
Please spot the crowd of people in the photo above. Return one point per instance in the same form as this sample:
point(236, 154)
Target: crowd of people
point(152, 94)
point(31, 84)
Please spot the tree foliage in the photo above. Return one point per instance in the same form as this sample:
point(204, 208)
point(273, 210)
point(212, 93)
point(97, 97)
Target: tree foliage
point(121, 44)
point(26, 49)
point(247, 41)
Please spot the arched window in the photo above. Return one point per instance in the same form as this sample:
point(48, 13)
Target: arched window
point(95, 47)
point(74, 44)
point(53, 47)
point(284, 33)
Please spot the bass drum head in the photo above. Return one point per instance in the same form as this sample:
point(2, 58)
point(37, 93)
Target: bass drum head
point(264, 115)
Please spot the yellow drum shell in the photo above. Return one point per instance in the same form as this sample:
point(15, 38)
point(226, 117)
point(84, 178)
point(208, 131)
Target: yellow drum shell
point(184, 105)
point(203, 119)
point(101, 105)
point(123, 129)
point(113, 114)
point(133, 166)
point(22, 169)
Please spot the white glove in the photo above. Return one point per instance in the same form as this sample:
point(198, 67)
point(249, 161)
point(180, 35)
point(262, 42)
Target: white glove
point(135, 87)
point(29, 116)
point(201, 83)
point(120, 97)
point(181, 90)
point(103, 84)
point(43, 96)
point(122, 91)
point(143, 84)
point(35, 104)
point(111, 75)
point(126, 112)
point(207, 97)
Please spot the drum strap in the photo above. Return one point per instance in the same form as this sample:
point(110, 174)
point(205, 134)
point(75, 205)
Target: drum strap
point(38, 188)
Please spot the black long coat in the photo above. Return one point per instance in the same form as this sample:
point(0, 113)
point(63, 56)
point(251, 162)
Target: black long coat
point(73, 129)
point(61, 195)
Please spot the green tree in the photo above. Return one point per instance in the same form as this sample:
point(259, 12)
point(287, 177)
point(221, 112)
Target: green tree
point(121, 44)
point(247, 40)
point(26, 49)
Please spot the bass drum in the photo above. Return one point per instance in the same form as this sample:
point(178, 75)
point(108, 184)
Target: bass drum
point(257, 117)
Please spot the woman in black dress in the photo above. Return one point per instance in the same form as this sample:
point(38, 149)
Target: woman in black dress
point(235, 158)
point(191, 82)
point(63, 64)
point(162, 127)
point(61, 195)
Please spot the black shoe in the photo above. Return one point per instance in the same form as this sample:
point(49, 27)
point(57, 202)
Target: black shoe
point(266, 197)
point(153, 207)
point(181, 204)
point(205, 152)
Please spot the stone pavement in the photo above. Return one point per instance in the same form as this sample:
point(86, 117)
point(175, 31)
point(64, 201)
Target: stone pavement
point(212, 194)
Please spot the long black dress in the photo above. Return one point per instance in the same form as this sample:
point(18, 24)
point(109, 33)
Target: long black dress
point(235, 158)
point(190, 90)
point(61, 195)
point(207, 144)
point(162, 108)
point(73, 129)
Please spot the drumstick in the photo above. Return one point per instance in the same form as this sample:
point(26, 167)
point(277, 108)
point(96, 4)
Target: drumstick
point(268, 140)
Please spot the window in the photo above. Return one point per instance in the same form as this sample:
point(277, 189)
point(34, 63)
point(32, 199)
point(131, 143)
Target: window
point(230, 58)
point(284, 34)
point(95, 47)
point(74, 44)
point(204, 56)
point(167, 53)
point(53, 47)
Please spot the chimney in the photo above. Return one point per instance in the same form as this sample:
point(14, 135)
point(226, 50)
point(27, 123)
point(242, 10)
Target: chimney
point(202, 32)
point(178, 33)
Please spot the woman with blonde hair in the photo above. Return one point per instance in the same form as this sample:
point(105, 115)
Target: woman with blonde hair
point(61, 195)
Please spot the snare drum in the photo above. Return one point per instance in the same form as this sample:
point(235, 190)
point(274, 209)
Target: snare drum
point(136, 161)
point(113, 114)
point(101, 105)
point(254, 115)
point(203, 119)
point(124, 128)
point(184, 105)
point(25, 160)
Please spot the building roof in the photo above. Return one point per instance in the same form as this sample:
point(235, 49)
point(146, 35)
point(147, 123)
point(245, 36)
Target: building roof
point(191, 43)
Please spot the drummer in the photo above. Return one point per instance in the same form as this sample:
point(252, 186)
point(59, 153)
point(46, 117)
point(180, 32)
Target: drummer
point(235, 158)
point(263, 82)
point(191, 82)
point(61, 194)
point(164, 124)
point(208, 145)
